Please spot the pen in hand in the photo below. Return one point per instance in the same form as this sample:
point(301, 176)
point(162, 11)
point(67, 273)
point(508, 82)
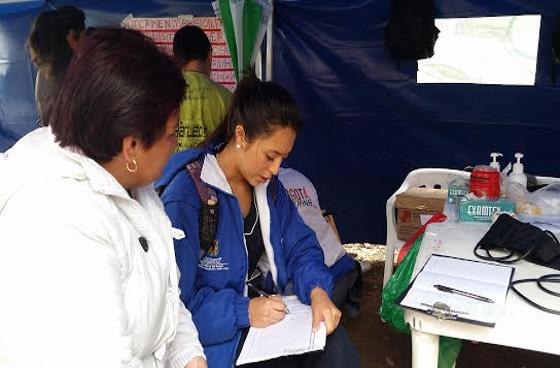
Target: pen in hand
point(266, 295)
point(447, 289)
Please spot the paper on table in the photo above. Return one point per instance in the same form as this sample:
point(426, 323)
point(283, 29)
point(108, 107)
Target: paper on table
point(480, 278)
point(291, 336)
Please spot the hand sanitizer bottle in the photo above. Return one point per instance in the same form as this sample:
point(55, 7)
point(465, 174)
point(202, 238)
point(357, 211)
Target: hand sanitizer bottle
point(517, 174)
point(494, 163)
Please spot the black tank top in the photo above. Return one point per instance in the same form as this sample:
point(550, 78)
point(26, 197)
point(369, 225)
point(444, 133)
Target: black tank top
point(253, 236)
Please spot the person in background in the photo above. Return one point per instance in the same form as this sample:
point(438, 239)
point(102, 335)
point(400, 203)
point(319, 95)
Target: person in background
point(260, 239)
point(87, 265)
point(346, 272)
point(54, 37)
point(206, 102)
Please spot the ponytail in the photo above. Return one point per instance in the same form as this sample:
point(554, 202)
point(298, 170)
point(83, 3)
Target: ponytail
point(259, 107)
point(47, 42)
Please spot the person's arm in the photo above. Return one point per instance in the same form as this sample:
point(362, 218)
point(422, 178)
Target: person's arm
point(185, 348)
point(306, 267)
point(218, 314)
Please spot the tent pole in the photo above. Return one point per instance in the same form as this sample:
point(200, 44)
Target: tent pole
point(269, 46)
point(258, 65)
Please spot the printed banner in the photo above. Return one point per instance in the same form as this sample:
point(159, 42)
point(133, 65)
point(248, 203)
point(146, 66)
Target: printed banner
point(162, 30)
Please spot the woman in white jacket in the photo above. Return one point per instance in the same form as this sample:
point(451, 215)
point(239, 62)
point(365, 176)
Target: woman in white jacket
point(87, 266)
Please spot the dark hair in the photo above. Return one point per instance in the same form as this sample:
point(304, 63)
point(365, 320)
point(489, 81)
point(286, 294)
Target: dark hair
point(118, 84)
point(47, 41)
point(191, 43)
point(259, 107)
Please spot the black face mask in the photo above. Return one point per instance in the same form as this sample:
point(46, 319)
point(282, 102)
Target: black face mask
point(523, 241)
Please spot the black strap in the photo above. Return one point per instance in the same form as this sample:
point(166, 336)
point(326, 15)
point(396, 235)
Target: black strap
point(209, 209)
point(208, 215)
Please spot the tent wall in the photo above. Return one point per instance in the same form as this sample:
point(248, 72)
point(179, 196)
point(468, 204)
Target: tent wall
point(367, 122)
point(18, 113)
point(17, 77)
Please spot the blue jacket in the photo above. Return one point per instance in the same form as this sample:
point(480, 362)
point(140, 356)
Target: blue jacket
point(213, 287)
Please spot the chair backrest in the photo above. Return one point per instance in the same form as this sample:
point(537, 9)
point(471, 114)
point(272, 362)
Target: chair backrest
point(540, 180)
point(428, 178)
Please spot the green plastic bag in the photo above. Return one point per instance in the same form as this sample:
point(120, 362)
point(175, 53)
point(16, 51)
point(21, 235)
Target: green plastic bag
point(390, 312)
point(393, 314)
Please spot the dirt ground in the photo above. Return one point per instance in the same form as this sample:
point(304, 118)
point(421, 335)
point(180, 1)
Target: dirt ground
point(382, 347)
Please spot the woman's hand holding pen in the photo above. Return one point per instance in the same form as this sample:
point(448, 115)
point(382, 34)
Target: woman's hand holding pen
point(266, 311)
point(324, 310)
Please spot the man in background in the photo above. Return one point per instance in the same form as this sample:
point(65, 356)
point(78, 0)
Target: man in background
point(206, 102)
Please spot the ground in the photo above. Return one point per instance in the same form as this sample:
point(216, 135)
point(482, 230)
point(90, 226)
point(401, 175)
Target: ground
point(382, 347)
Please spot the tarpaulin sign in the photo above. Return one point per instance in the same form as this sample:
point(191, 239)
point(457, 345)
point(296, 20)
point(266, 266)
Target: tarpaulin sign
point(162, 30)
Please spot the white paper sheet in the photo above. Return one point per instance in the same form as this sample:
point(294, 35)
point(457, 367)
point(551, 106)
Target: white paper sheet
point(291, 336)
point(479, 278)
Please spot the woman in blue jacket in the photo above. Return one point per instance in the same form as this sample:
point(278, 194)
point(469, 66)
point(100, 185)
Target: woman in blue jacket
point(259, 231)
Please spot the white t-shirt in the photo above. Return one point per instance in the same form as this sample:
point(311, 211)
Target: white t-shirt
point(302, 192)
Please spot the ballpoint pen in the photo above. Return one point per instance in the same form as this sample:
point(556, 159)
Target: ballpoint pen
point(447, 289)
point(265, 294)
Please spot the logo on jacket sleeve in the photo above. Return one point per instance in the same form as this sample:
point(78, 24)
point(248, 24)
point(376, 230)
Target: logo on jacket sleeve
point(300, 197)
point(213, 264)
point(210, 261)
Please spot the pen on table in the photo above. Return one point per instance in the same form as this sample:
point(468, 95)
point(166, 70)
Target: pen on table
point(447, 289)
point(266, 295)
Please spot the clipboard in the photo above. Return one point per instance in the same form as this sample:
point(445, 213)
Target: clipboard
point(475, 277)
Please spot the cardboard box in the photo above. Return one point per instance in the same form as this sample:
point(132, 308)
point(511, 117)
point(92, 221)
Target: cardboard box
point(405, 232)
point(413, 203)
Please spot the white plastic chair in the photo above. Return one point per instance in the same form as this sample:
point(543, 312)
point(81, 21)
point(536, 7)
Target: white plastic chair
point(428, 178)
point(539, 180)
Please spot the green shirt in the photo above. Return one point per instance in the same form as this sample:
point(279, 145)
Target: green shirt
point(202, 110)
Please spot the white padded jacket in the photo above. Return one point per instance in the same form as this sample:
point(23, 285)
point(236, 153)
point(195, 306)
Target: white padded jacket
point(77, 288)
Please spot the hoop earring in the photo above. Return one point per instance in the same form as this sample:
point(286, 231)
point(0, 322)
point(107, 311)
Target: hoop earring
point(132, 168)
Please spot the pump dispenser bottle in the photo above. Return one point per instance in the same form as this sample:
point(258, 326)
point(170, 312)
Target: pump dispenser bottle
point(517, 175)
point(494, 163)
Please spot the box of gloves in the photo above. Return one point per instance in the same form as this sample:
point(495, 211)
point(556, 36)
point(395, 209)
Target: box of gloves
point(475, 209)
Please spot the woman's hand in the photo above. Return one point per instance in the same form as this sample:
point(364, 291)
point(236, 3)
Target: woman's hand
point(197, 362)
point(264, 311)
point(324, 310)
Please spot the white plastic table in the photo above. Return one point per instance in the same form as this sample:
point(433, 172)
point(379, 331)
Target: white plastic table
point(520, 326)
